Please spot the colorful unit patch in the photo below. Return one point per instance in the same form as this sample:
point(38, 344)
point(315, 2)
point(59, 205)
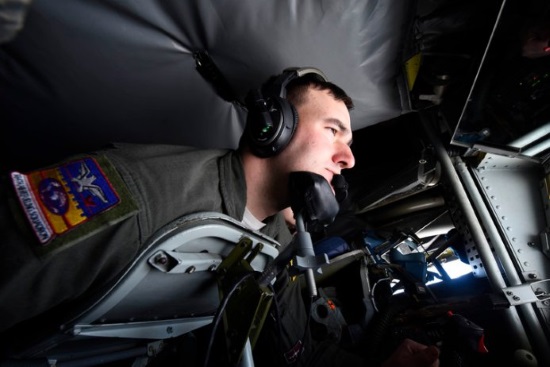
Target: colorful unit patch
point(58, 199)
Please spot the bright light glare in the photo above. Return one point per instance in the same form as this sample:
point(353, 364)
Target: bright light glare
point(454, 269)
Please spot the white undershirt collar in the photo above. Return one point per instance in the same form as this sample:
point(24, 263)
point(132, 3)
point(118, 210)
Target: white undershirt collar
point(251, 222)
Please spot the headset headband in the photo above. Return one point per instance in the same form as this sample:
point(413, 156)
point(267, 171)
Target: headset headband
point(278, 87)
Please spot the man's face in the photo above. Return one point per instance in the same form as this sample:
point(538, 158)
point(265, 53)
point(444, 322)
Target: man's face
point(321, 143)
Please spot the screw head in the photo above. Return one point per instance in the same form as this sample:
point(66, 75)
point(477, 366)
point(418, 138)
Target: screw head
point(161, 259)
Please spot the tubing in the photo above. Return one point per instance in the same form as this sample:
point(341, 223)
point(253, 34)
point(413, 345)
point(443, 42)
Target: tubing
point(489, 262)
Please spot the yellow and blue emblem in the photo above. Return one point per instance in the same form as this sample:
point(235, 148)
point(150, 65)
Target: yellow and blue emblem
point(56, 200)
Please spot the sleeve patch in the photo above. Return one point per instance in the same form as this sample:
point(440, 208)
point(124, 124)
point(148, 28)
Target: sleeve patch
point(59, 199)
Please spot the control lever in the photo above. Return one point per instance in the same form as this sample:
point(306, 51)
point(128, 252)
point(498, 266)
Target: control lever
point(314, 204)
point(305, 258)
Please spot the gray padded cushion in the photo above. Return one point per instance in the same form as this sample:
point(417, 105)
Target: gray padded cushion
point(83, 73)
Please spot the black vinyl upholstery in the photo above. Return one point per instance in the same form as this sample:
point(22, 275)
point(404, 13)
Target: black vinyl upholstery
point(80, 74)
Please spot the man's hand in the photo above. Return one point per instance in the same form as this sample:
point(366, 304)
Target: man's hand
point(413, 354)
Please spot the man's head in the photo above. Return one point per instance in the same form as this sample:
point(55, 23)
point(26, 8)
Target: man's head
point(320, 143)
point(272, 116)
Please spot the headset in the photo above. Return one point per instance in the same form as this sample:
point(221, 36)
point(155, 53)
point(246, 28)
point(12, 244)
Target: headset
point(272, 119)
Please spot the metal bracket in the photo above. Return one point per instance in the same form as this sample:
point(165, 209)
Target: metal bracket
point(159, 329)
point(247, 310)
point(526, 293)
point(184, 262)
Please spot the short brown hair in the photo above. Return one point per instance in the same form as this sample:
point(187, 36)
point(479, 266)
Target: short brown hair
point(297, 88)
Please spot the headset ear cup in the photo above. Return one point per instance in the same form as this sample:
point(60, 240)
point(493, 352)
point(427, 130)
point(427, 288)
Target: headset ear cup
point(271, 130)
point(289, 125)
point(272, 119)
